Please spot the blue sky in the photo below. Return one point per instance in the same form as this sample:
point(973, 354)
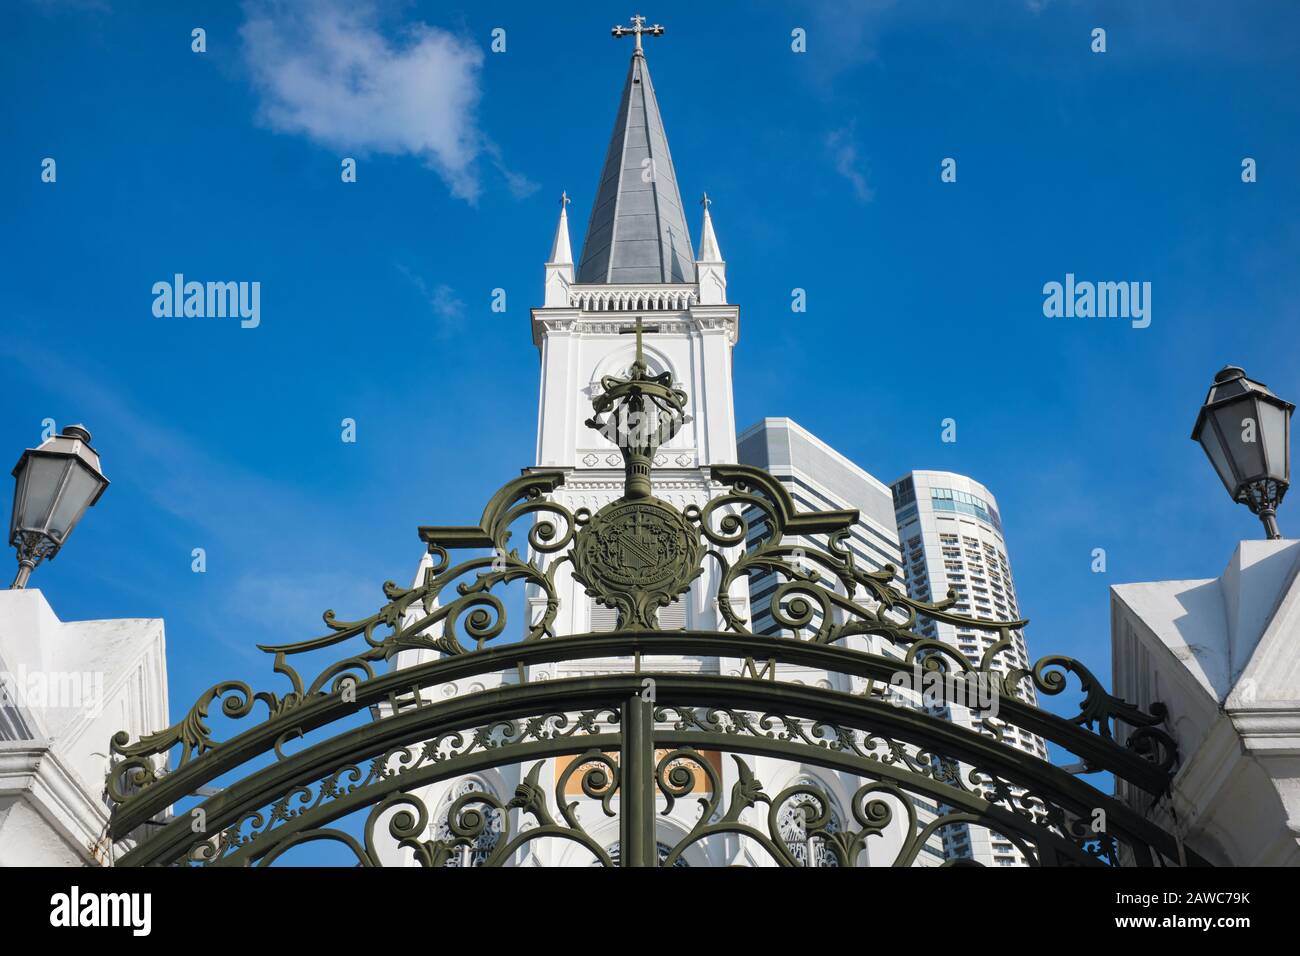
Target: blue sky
point(924, 298)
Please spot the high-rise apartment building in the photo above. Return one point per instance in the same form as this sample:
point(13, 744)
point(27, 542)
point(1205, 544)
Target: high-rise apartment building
point(819, 479)
point(951, 537)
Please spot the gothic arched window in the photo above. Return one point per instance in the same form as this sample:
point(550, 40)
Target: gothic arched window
point(486, 842)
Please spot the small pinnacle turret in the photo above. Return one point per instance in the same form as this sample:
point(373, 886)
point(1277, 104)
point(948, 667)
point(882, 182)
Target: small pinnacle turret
point(710, 267)
point(559, 267)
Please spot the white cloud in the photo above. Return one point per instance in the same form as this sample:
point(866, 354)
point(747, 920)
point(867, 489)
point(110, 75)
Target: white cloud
point(289, 604)
point(446, 305)
point(844, 154)
point(845, 35)
point(448, 308)
point(327, 72)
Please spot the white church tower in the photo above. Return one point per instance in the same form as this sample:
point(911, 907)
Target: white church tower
point(637, 271)
point(636, 263)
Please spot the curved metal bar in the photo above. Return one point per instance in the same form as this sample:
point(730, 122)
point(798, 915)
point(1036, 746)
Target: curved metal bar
point(986, 754)
point(312, 836)
point(990, 814)
point(1097, 750)
point(310, 765)
point(247, 796)
point(465, 765)
point(885, 778)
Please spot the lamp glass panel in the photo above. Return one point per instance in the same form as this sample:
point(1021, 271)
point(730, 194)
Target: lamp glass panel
point(42, 478)
point(1238, 421)
point(81, 488)
point(1272, 425)
point(1209, 439)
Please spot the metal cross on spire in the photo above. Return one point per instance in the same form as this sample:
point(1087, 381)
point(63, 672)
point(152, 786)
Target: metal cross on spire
point(636, 29)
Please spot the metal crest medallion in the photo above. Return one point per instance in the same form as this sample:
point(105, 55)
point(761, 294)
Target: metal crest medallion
point(637, 556)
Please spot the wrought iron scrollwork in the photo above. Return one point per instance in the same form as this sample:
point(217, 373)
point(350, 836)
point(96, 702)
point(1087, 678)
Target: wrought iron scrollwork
point(637, 554)
point(393, 770)
point(469, 815)
point(423, 617)
point(859, 601)
point(875, 806)
point(1100, 710)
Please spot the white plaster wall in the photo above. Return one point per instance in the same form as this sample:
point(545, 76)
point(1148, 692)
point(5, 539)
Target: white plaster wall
point(1221, 655)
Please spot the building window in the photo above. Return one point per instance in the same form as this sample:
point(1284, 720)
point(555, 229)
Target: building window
point(603, 619)
point(904, 492)
point(792, 822)
point(671, 618)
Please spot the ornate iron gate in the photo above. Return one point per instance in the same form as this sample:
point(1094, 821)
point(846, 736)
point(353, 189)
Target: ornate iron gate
point(632, 745)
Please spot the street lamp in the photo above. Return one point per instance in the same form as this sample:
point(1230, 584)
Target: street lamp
point(55, 484)
point(1246, 431)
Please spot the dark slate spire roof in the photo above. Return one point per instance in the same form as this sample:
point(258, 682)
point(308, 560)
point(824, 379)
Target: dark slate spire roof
point(637, 231)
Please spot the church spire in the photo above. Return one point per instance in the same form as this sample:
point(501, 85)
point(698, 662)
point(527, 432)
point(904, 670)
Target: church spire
point(637, 232)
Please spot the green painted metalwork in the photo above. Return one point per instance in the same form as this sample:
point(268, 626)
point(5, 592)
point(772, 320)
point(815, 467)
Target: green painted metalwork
point(638, 553)
point(636, 819)
point(361, 736)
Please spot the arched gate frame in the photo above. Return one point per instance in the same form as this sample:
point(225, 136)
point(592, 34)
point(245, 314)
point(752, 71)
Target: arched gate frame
point(361, 739)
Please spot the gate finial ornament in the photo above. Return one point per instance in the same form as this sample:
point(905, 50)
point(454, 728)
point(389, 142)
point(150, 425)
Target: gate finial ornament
point(638, 553)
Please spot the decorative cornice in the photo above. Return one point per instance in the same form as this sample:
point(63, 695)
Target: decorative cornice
point(682, 322)
point(613, 484)
point(633, 298)
point(665, 460)
point(36, 774)
point(1271, 731)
